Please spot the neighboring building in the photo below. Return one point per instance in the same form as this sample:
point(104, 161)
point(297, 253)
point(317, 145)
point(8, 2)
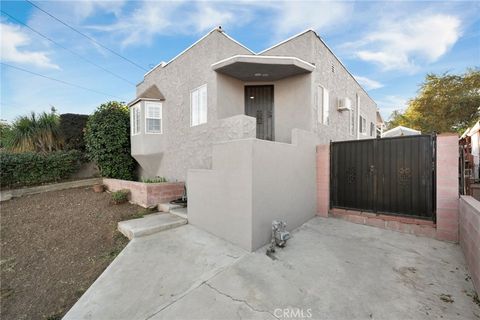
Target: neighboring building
point(202, 96)
point(241, 128)
point(380, 125)
point(400, 131)
point(470, 139)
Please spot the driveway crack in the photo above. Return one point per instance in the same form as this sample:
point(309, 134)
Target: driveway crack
point(239, 300)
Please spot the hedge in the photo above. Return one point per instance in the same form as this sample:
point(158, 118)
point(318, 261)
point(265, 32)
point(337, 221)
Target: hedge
point(30, 168)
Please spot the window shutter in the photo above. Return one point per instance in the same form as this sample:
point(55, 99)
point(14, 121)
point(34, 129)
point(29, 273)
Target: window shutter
point(198, 106)
point(320, 104)
point(203, 105)
point(195, 105)
point(326, 106)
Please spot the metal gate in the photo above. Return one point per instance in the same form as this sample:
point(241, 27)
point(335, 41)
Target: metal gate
point(388, 175)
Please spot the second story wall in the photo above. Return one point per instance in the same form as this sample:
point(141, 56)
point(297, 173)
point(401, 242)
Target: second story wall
point(182, 146)
point(331, 75)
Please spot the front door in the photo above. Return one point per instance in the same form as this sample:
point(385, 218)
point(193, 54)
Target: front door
point(259, 104)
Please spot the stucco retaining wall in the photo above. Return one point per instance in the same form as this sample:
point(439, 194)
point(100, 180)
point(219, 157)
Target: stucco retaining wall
point(147, 194)
point(469, 231)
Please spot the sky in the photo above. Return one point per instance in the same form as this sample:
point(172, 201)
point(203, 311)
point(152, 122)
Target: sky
point(388, 46)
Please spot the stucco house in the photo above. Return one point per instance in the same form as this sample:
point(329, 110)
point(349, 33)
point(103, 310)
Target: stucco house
point(241, 128)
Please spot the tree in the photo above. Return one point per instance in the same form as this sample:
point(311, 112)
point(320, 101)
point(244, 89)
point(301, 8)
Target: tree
point(38, 133)
point(445, 103)
point(107, 138)
point(72, 128)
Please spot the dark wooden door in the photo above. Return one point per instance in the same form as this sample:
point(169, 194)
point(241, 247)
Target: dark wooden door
point(259, 104)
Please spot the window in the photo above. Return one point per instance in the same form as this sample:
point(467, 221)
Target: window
point(198, 106)
point(153, 117)
point(372, 129)
point(362, 125)
point(135, 119)
point(352, 121)
point(323, 105)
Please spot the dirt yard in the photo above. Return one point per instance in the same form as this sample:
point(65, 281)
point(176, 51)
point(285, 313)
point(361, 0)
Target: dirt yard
point(53, 247)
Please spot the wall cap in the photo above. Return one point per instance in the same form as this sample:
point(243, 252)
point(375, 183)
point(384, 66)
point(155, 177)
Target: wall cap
point(472, 202)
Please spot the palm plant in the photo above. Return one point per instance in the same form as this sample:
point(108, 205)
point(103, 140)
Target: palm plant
point(34, 132)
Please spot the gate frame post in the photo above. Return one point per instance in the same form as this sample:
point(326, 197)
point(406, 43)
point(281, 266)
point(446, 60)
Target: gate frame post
point(323, 180)
point(447, 189)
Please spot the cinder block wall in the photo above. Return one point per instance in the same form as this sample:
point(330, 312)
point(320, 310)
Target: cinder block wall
point(469, 232)
point(323, 180)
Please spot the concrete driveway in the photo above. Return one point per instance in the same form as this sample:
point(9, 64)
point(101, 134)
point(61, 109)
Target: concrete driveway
point(331, 269)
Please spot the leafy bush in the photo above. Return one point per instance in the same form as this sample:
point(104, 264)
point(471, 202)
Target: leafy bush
point(154, 180)
point(30, 168)
point(107, 138)
point(72, 127)
point(120, 196)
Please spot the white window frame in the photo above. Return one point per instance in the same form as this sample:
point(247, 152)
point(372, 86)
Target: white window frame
point(362, 124)
point(135, 119)
point(149, 104)
point(202, 117)
point(357, 111)
point(323, 112)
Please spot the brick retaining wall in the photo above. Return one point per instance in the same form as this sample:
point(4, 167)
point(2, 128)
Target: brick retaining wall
point(147, 194)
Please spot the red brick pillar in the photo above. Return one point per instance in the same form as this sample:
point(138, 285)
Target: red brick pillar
point(447, 187)
point(323, 180)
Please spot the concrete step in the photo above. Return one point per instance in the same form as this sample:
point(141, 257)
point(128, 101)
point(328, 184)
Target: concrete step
point(180, 212)
point(150, 224)
point(166, 207)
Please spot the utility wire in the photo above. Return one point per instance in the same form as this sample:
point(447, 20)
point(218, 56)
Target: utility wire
point(86, 36)
point(61, 81)
point(67, 49)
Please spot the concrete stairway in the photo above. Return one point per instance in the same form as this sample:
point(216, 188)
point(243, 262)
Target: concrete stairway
point(174, 209)
point(150, 224)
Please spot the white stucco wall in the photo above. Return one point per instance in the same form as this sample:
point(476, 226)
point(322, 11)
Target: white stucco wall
point(182, 147)
point(252, 183)
point(340, 84)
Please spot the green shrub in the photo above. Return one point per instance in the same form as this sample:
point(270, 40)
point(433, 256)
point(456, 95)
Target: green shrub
point(72, 127)
point(154, 180)
point(107, 138)
point(30, 168)
point(35, 133)
point(120, 196)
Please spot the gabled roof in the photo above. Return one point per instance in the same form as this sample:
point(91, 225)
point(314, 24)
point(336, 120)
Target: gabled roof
point(219, 29)
point(152, 93)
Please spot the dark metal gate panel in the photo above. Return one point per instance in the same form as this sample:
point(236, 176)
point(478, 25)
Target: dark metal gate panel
point(390, 175)
point(259, 104)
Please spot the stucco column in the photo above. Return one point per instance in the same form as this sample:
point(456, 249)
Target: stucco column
point(323, 180)
point(447, 187)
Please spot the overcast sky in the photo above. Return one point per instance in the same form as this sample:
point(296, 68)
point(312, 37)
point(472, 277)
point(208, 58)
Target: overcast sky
point(388, 46)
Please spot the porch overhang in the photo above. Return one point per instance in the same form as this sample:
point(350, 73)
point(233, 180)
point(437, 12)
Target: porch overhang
point(262, 68)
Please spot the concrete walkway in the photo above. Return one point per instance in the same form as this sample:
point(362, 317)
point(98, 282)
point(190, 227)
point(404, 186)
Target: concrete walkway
point(331, 269)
